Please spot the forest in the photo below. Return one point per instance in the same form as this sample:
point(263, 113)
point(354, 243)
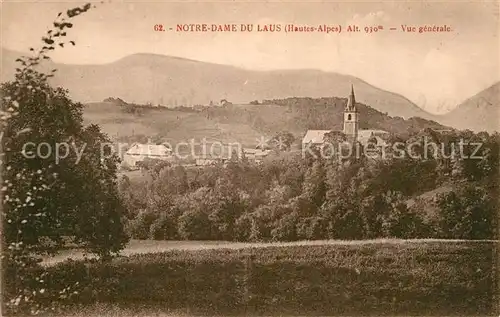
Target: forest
point(295, 197)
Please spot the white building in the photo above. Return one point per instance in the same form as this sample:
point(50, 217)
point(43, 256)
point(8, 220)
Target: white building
point(255, 155)
point(315, 137)
point(139, 152)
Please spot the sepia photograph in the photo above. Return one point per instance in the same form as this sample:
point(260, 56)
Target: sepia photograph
point(249, 158)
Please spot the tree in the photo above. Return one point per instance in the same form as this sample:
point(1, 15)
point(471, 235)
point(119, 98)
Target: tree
point(405, 223)
point(93, 187)
point(468, 213)
point(194, 209)
point(312, 228)
point(228, 203)
point(243, 226)
point(344, 219)
point(172, 180)
point(194, 225)
point(48, 117)
point(314, 186)
point(163, 228)
point(46, 195)
point(140, 226)
point(374, 210)
point(81, 177)
point(335, 137)
point(283, 141)
point(285, 228)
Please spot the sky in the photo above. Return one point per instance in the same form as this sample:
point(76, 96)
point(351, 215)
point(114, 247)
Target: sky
point(437, 71)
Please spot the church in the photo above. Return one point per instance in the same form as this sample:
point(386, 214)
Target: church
point(351, 128)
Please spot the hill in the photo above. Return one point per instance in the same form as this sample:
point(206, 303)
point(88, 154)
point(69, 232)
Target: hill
point(166, 80)
point(242, 123)
point(163, 124)
point(301, 114)
point(480, 112)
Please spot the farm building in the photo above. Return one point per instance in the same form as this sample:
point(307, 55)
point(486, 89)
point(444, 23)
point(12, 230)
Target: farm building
point(255, 155)
point(206, 161)
point(314, 137)
point(218, 153)
point(139, 152)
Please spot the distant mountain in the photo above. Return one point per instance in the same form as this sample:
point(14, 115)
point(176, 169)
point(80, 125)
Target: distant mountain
point(480, 112)
point(158, 79)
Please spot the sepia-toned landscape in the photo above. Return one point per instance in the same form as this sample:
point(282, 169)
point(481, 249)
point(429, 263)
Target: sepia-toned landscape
point(214, 177)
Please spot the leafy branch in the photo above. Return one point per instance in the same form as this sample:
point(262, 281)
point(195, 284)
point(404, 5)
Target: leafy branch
point(53, 38)
point(26, 74)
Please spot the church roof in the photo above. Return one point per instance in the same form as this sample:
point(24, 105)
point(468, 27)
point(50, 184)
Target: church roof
point(315, 136)
point(372, 132)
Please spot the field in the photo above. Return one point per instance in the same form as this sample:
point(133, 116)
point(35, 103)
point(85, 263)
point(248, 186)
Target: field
point(392, 277)
point(117, 123)
point(171, 125)
point(157, 246)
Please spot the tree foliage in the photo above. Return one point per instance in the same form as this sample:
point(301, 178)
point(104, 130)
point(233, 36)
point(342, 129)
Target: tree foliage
point(58, 185)
point(290, 197)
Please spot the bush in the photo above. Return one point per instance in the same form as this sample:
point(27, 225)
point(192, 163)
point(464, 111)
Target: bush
point(285, 230)
point(312, 228)
point(194, 225)
point(467, 213)
point(243, 227)
point(163, 228)
point(406, 224)
point(140, 226)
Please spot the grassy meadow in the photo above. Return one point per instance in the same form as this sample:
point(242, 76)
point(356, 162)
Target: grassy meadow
point(377, 278)
point(171, 125)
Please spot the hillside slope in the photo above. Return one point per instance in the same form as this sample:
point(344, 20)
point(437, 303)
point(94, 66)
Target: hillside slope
point(166, 125)
point(244, 124)
point(143, 78)
point(480, 112)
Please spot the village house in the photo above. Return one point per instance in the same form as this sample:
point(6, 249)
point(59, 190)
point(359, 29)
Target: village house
point(208, 160)
point(226, 153)
point(139, 152)
point(255, 155)
point(218, 154)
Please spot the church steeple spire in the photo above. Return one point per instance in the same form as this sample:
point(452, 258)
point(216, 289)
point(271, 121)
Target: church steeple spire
point(351, 101)
point(351, 120)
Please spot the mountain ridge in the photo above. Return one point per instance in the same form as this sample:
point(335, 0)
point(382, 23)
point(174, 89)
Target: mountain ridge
point(480, 112)
point(171, 80)
point(192, 82)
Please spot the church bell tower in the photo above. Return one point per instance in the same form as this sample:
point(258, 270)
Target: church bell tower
point(351, 118)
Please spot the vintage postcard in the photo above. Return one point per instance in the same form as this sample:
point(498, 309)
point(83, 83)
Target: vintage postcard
point(249, 158)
